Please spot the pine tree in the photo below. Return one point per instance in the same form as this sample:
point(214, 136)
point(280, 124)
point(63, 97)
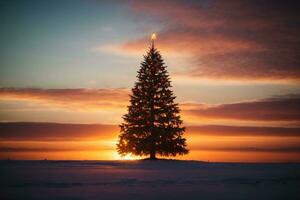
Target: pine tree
point(152, 125)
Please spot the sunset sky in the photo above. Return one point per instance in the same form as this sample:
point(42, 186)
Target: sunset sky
point(66, 69)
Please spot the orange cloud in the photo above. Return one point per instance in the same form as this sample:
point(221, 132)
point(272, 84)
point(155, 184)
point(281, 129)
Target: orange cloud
point(246, 40)
point(72, 99)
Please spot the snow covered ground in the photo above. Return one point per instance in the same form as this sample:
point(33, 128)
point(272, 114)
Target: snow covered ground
point(147, 180)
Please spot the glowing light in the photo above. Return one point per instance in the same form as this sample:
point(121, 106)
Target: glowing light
point(153, 36)
point(128, 157)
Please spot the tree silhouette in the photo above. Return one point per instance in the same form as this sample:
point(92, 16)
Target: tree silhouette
point(152, 125)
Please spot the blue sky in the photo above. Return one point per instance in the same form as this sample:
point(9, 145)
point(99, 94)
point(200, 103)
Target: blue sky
point(46, 44)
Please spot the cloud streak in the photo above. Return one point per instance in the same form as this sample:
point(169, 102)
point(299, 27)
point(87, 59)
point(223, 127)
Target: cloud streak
point(281, 108)
point(227, 149)
point(19, 131)
point(72, 99)
point(221, 130)
point(30, 131)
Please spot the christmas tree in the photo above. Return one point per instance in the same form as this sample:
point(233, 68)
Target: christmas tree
point(152, 125)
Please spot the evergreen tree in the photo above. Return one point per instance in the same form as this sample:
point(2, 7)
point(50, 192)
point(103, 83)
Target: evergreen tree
point(152, 125)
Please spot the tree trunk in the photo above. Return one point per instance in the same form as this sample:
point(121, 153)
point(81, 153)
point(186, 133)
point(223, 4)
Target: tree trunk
point(152, 155)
